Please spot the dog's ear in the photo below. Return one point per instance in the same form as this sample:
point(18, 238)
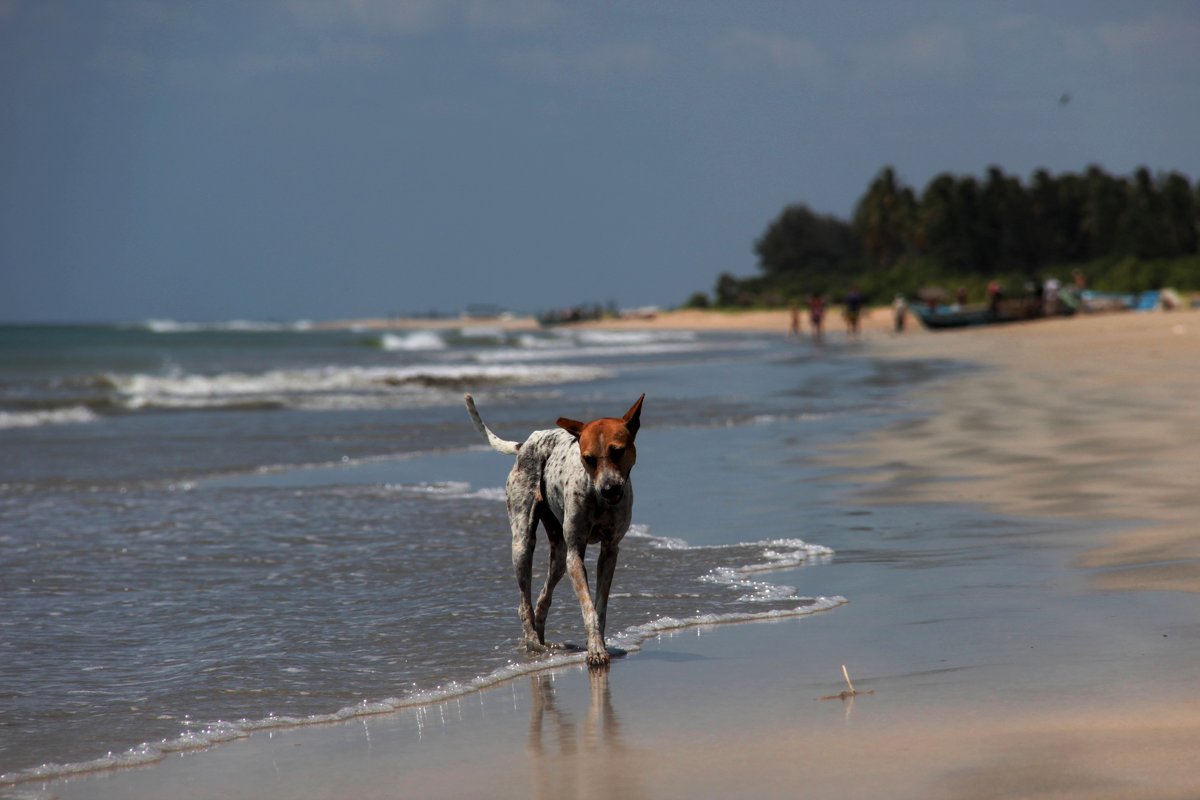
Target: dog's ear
point(571, 426)
point(633, 417)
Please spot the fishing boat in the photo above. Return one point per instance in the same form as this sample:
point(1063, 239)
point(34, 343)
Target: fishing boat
point(1120, 301)
point(938, 317)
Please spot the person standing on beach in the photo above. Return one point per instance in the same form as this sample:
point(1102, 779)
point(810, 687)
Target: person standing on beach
point(899, 313)
point(995, 293)
point(794, 329)
point(854, 303)
point(1050, 296)
point(816, 315)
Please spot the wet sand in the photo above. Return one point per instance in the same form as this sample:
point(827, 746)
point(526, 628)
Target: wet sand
point(1094, 417)
point(1045, 648)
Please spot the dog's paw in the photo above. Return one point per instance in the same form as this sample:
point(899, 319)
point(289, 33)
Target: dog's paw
point(598, 659)
point(534, 646)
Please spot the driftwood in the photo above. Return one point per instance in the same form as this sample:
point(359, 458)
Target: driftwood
point(846, 693)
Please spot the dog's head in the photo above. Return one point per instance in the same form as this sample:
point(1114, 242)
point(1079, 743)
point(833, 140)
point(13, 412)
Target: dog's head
point(607, 451)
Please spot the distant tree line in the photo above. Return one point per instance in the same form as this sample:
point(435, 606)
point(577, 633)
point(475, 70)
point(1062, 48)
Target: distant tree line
point(1122, 233)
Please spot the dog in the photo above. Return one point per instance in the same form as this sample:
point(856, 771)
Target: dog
point(574, 480)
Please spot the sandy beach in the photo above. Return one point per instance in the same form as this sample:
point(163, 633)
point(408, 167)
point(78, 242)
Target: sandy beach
point(1077, 680)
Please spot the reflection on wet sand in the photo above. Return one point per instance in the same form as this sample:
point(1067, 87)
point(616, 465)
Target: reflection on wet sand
point(568, 761)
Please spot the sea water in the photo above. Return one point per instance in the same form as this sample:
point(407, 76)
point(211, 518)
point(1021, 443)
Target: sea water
point(211, 529)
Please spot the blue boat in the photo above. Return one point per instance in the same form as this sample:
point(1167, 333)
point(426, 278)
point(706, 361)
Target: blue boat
point(1016, 310)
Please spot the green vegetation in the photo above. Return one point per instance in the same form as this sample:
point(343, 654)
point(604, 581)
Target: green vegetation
point(1122, 233)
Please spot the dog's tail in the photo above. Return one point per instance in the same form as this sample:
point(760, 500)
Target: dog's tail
point(498, 444)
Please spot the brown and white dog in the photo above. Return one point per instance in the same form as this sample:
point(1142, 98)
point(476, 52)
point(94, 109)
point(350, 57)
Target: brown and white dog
point(574, 479)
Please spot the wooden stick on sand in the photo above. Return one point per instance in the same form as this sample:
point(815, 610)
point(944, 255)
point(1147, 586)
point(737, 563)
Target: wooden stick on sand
point(851, 692)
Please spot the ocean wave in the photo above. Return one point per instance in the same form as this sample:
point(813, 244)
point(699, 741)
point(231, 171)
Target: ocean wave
point(50, 416)
point(448, 490)
point(605, 338)
point(324, 388)
point(773, 554)
point(451, 490)
point(232, 326)
point(484, 332)
point(606, 344)
point(410, 342)
point(558, 351)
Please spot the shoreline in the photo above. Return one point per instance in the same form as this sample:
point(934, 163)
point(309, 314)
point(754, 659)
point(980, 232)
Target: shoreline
point(749, 321)
point(1083, 420)
point(1106, 355)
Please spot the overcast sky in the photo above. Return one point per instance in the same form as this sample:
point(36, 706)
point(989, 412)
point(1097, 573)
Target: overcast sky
point(282, 159)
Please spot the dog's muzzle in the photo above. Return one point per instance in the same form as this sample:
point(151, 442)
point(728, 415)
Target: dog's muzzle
point(612, 494)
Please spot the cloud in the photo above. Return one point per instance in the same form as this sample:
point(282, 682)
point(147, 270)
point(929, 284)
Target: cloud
point(747, 49)
point(1156, 34)
point(930, 49)
point(603, 61)
point(510, 16)
point(401, 18)
point(371, 17)
point(8, 8)
point(931, 52)
point(124, 62)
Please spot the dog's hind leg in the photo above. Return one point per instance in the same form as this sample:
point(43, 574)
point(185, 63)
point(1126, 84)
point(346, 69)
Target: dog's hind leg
point(523, 517)
point(555, 569)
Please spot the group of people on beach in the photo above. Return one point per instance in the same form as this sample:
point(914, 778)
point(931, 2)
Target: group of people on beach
point(853, 309)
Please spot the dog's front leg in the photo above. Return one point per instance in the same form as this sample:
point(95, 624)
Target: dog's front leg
point(597, 655)
point(606, 566)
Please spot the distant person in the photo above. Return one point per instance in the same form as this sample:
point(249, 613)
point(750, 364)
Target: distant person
point(816, 316)
point(995, 293)
point(854, 303)
point(794, 328)
point(899, 313)
point(961, 297)
point(1050, 296)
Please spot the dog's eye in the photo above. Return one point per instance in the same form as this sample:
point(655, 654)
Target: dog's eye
point(615, 453)
point(590, 461)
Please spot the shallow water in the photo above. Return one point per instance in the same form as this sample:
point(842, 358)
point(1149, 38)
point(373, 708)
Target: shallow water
point(209, 530)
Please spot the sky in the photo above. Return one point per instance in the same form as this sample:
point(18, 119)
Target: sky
point(333, 159)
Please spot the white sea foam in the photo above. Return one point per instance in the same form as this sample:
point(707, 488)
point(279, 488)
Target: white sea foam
point(615, 344)
point(449, 490)
point(534, 342)
point(55, 416)
point(554, 352)
point(621, 338)
point(412, 342)
point(233, 325)
point(776, 554)
point(326, 388)
point(481, 332)
point(779, 553)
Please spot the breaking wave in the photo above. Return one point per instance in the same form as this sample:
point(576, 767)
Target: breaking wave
point(231, 326)
point(50, 416)
point(320, 389)
point(411, 342)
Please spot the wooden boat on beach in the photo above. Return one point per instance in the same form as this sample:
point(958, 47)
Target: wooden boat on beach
point(940, 317)
point(1120, 301)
